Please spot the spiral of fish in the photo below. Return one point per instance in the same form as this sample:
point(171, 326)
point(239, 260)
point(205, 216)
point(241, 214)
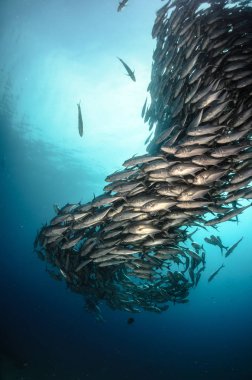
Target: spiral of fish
point(128, 247)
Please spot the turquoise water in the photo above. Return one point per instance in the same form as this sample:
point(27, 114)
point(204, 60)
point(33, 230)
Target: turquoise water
point(53, 55)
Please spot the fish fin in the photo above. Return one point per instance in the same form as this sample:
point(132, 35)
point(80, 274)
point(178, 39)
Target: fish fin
point(56, 208)
point(215, 227)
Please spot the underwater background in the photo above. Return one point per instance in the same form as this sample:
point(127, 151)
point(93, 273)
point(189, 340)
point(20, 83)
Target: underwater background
point(53, 55)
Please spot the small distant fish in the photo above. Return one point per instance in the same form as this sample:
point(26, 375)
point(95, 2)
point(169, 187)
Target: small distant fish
point(121, 5)
point(130, 321)
point(128, 69)
point(231, 249)
point(144, 108)
point(215, 273)
point(80, 121)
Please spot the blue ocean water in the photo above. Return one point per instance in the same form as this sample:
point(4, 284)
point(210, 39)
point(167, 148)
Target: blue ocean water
point(53, 55)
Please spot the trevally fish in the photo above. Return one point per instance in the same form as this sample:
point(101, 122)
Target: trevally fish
point(121, 5)
point(80, 121)
point(215, 273)
point(128, 69)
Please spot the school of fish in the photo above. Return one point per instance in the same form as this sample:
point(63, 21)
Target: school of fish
point(132, 247)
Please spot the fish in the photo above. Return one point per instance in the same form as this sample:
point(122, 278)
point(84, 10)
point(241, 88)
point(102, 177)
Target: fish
point(131, 248)
point(128, 69)
point(232, 248)
point(208, 176)
point(142, 229)
point(227, 216)
point(144, 109)
point(192, 204)
point(216, 240)
point(121, 5)
point(214, 111)
point(138, 160)
point(215, 273)
point(54, 231)
point(184, 169)
point(71, 243)
point(194, 192)
point(92, 220)
point(204, 130)
point(119, 175)
point(82, 265)
point(80, 121)
point(130, 321)
point(158, 205)
point(242, 175)
point(190, 151)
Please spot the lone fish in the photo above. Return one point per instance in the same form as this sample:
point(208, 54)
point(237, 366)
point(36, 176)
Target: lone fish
point(121, 5)
point(80, 121)
point(215, 273)
point(128, 69)
point(231, 249)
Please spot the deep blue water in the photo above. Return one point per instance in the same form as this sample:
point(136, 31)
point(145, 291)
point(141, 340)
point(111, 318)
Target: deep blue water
point(52, 55)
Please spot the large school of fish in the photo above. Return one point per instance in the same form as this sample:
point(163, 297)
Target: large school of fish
point(128, 248)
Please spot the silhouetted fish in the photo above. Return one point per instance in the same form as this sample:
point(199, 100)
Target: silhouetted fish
point(215, 273)
point(80, 121)
point(130, 321)
point(121, 5)
point(129, 71)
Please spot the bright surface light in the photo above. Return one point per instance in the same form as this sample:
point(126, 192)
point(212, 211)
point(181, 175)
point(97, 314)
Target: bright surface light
point(54, 65)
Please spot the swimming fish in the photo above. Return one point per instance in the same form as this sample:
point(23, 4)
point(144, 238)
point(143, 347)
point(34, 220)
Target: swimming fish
point(80, 121)
point(128, 69)
point(215, 273)
point(231, 249)
point(121, 5)
point(130, 321)
point(128, 247)
point(144, 108)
